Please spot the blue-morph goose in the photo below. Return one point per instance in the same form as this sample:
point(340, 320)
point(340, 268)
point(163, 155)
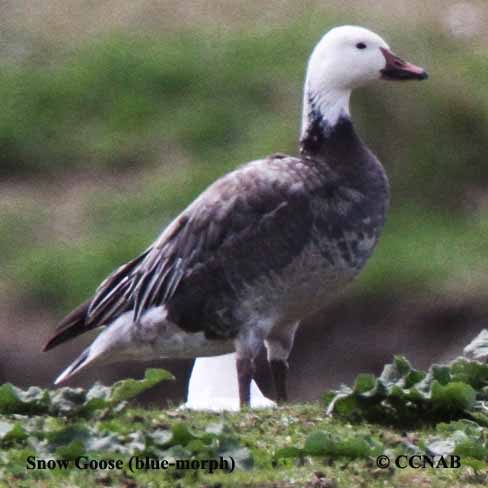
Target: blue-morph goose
point(262, 247)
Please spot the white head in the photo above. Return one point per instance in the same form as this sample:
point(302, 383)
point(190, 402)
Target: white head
point(348, 57)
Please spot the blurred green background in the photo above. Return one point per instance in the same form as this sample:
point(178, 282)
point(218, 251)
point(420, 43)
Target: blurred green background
point(115, 115)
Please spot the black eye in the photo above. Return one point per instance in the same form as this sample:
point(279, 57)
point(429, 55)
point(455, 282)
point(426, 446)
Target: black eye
point(361, 45)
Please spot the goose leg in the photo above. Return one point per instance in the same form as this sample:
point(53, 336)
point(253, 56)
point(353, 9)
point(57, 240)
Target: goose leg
point(279, 344)
point(279, 372)
point(245, 373)
point(247, 346)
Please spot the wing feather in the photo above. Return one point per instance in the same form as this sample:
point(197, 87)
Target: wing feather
point(236, 202)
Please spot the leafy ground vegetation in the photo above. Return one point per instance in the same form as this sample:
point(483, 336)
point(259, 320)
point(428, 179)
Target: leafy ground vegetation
point(84, 437)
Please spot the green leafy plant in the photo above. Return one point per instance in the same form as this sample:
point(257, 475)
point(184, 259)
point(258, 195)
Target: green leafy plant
point(403, 395)
point(76, 401)
point(52, 423)
point(320, 443)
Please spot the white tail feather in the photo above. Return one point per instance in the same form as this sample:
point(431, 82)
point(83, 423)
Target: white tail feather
point(109, 346)
point(152, 338)
point(81, 362)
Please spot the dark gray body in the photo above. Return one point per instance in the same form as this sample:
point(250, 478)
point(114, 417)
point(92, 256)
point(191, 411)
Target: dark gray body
point(263, 246)
point(306, 227)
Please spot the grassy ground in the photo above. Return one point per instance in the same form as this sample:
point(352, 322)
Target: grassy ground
point(440, 415)
point(262, 433)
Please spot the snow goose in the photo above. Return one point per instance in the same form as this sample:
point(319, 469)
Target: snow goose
point(263, 246)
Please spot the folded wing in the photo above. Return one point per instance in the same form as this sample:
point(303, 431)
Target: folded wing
point(231, 207)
